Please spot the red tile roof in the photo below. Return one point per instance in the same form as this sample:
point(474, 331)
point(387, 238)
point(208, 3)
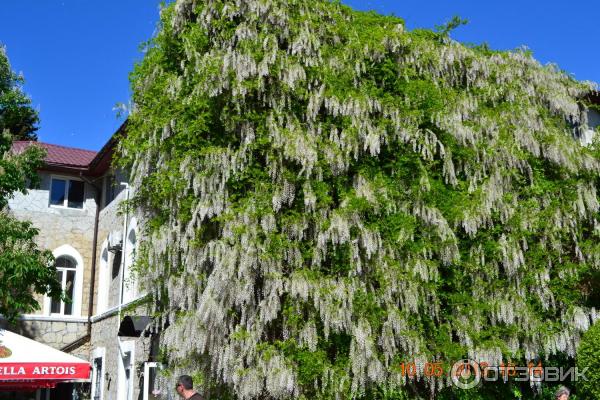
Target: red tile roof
point(60, 155)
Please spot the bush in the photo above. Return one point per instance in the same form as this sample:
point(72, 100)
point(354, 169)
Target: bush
point(588, 359)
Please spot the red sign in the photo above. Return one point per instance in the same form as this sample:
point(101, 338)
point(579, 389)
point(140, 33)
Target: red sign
point(43, 371)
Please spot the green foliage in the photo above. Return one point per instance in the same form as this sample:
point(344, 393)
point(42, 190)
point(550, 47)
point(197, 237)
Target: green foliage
point(25, 270)
point(326, 195)
point(588, 359)
point(16, 114)
point(449, 26)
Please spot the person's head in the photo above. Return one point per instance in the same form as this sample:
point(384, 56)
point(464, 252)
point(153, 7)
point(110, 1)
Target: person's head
point(562, 393)
point(184, 384)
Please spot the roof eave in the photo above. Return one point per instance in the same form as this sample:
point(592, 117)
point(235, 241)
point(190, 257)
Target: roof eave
point(106, 151)
point(64, 168)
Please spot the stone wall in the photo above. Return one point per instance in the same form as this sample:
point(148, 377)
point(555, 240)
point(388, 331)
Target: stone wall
point(110, 220)
point(105, 323)
point(60, 226)
point(104, 335)
point(75, 227)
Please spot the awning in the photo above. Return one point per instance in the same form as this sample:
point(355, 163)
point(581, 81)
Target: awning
point(27, 365)
point(134, 325)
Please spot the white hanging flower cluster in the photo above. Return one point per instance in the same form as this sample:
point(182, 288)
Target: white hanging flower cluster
point(319, 190)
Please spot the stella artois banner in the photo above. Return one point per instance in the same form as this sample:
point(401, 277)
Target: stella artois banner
point(26, 364)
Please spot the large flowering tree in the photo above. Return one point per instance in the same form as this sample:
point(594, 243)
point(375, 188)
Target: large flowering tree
point(327, 195)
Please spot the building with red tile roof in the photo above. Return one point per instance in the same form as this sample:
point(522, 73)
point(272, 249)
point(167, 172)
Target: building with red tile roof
point(60, 156)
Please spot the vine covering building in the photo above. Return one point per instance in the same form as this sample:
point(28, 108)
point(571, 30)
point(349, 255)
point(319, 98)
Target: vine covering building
point(77, 211)
point(348, 195)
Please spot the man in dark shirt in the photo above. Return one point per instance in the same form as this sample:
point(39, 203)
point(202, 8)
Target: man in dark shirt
point(185, 388)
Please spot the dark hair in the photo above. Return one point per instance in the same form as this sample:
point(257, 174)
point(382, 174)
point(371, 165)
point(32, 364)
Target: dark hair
point(186, 381)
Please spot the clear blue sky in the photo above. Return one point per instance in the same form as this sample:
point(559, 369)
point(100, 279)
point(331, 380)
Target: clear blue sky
point(76, 54)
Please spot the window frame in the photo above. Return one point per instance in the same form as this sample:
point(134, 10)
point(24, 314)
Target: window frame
point(126, 386)
point(65, 204)
point(69, 251)
point(147, 366)
point(98, 353)
point(63, 284)
point(102, 299)
point(110, 187)
point(130, 284)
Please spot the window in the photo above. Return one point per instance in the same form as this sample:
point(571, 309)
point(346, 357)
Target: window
point(126, 372)
point(103, 280)
point(97, 378)
point(116, 264)
point(111, 189)
point(98, 372)
point(69, 272)
point(67, 193)
point(128, 377)
point(66, 270)
point(130, 289)
point(151, 390)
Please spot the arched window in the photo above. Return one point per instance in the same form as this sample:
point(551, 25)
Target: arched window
point(130, 289)
point(66, 272)
point(131, 243)
point(103, 280)
point(69, 273)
